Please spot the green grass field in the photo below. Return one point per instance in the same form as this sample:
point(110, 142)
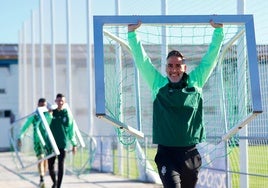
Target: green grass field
point(257, 164)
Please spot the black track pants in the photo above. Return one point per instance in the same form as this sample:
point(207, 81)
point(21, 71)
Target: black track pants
point(178, 167)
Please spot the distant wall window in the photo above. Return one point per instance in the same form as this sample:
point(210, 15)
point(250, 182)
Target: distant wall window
point(2, 91)
point(5, 113)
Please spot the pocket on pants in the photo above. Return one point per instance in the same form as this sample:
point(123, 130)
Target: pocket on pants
point(193, 160)
point(158, 157)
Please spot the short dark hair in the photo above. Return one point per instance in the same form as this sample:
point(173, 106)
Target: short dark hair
point(59, 95)
point(175, 53)
point(41, 100)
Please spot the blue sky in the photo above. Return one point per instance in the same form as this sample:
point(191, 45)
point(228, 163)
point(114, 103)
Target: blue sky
point(15, 12)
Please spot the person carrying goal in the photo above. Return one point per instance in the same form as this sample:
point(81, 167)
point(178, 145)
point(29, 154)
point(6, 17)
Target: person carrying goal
point(39, 133)
point(177, 108)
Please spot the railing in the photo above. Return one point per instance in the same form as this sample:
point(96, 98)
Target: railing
point(107, 154)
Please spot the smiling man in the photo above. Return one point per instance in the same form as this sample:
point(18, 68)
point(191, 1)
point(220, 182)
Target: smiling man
point(177, 108)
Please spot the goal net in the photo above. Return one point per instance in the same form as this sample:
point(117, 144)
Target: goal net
point(33, 141)
point(231, 95)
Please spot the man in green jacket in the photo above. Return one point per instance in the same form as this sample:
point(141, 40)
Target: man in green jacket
point(39, 133)
point(177, 108)
point(63, 131)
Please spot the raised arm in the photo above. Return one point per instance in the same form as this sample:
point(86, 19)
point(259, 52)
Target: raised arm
point(200, 75)
point(143, 63)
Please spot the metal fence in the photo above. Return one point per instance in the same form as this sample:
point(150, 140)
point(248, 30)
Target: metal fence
point(109, 153)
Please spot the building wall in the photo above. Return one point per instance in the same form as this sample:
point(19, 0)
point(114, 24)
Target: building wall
point(8, 100)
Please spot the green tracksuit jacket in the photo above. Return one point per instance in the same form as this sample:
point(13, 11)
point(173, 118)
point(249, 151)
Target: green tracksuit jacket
point(177, 107)
point(38, 129)
point(62, 128)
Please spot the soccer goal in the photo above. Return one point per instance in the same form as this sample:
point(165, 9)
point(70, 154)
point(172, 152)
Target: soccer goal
point(231, 96)
point(27, 130)
point(33, 127)
point(232, 93)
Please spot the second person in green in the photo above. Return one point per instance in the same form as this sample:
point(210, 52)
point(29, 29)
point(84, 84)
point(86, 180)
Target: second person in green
point(63, 131)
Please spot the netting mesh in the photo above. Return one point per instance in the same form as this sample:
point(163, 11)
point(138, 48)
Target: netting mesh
point(33, 141)
point(227, 94)
point(30, 141)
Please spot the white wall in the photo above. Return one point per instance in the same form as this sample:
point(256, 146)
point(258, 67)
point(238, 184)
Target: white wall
point(8, 100)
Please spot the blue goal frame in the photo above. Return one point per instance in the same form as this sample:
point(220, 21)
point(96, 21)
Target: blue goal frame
point(246, 20)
